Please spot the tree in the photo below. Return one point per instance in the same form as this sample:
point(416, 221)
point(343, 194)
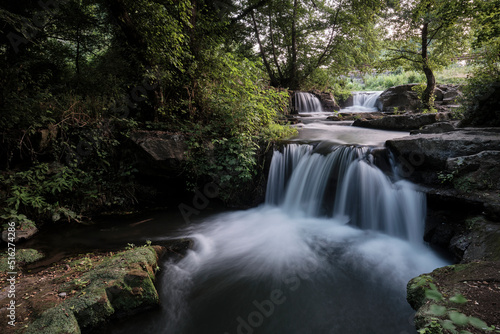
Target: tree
point(427, 35)
point(295, 37)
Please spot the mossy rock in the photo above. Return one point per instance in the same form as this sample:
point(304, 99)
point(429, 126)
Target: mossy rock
point(456, 298)
point(23, 256)
point(415, 290)
point(28, 255)
point(119, 285)
point(57, 320)
point(91, 307)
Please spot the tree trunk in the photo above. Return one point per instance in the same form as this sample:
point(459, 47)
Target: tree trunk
point(428, 94)
point(262, 53)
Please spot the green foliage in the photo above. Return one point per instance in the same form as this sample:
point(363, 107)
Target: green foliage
point(433, 328)
point(242, 111)
point(296, 38)
point(443, 314)
point(420, 90)
point(34, 192)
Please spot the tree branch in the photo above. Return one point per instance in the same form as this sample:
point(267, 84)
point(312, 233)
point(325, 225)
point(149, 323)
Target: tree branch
point(262, 54)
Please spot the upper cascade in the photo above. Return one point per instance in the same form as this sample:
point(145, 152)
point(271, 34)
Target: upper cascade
point(307, 103)
point(366, 99)
point(347, 186)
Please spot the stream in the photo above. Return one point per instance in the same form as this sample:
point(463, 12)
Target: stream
point(331, 250)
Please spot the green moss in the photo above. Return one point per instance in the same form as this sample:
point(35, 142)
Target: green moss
point(28, 255)
point(57, 320)
point(493, 246)
point(23, 256)
point(121, 283)
point(91, 307)
point(415, 290)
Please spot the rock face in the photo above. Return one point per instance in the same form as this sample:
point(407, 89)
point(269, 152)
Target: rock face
point(159, 159)
point(461, 174)
point(327, 100)
point(405, 122)
point(446, 95)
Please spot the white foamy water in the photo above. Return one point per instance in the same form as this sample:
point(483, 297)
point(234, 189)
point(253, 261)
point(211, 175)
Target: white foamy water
point(265, 270)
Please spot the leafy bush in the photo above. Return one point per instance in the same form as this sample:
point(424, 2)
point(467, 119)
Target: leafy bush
point(419, 89)
point(85, 174)
point(242, 112)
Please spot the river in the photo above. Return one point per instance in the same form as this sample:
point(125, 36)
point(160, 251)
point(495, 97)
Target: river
point(330, 251)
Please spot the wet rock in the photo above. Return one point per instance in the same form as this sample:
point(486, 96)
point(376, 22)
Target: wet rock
point(345, 116)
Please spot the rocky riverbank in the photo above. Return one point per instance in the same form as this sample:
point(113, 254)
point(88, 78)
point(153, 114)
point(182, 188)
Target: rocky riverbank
point(80, 293)
point(459, 170)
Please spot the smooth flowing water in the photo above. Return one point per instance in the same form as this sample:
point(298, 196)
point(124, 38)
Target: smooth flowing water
point(307, 103)
point(331, 251)
point(363, 102)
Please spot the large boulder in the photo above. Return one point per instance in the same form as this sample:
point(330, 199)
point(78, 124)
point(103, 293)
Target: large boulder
point(399, 98)
point(405, 122)
point(403, 98)
point(159, 158)
point(120, 285)
point(160, 148)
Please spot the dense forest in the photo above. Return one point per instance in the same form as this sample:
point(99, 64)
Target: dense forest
point(78, 76)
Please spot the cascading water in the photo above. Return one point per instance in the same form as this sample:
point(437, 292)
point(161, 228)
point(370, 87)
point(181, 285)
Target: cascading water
point(307, 103)
point(331, 251)
point(364, 102)
point(366, 99)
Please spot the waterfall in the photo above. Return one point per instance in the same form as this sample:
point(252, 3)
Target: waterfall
point(366, 99)
point(363, 102)
point(331, 251)
point(345, 184)
point(307, 103)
